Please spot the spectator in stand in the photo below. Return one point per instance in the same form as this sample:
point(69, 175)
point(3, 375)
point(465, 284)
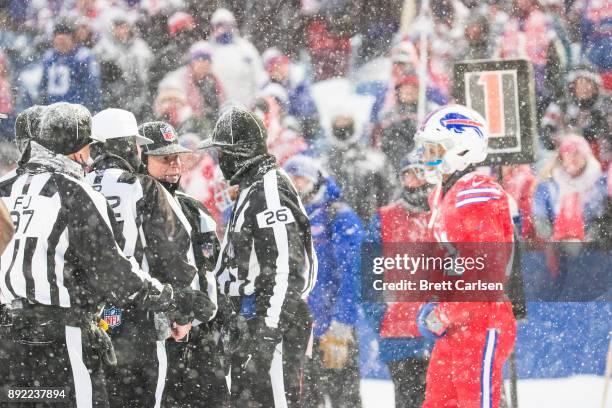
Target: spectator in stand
point(363, 174)
point(379, 22)
point(293, 78)
point(446, 34)
point(398, 127)
point(236, 61)
point(586, 110)
point(201, 87)
point(402, 348)
point(529, 34)
point(6, 98)
point(125, 61)
point(337, 232)
point(519, 181)
point(404, 58)
point(83, 34)
point(183, 32)
point(594, 20)
point(479, 43)
point(329, 33)
point(273, 23)
point(571, 195)
point(201, 178)
point(9, 156)
point(171, 106)
point(284, 136)
point(70, 72)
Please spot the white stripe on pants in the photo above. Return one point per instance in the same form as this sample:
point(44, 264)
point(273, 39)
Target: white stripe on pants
point(277, 378)
point(487, 368)
point(162, 368)
point(80, 374)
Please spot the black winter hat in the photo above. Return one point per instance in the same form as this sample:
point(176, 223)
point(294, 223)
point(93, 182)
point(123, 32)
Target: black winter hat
point(165, 140)
point(27, 126)
point(237, 126)
point(65, 128)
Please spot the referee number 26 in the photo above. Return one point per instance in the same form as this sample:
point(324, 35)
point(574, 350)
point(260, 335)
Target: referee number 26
point(270, 217)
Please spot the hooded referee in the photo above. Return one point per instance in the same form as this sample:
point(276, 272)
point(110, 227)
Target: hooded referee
point(267, 267)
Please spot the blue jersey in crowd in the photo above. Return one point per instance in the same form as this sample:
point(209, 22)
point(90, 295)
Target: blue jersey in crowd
point(72, 77)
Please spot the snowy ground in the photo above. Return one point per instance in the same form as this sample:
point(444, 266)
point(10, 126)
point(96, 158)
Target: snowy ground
point(573, 392)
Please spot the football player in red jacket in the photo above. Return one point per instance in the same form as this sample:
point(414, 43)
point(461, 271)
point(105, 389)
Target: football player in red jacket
point(474, 338)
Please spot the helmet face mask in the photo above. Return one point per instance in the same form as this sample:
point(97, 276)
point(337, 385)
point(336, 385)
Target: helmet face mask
point(451, 139)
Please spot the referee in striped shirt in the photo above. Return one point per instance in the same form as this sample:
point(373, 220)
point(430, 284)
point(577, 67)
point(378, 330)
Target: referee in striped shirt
point(62, 264)
point(266, 267)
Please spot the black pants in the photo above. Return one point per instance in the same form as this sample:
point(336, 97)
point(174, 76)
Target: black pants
point(139, 378)
point(282, 384)
point(409, 380)
point(196, 377)
point(54, 356)
point(341, 386)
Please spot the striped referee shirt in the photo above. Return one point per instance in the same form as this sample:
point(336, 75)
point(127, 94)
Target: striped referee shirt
point(267, 248)
point(64, 251)
point(155, 231)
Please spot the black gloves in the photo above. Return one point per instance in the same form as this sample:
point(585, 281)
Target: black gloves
point(192, 304)
point(260, 347)
point(155, 300)
point(182, 305)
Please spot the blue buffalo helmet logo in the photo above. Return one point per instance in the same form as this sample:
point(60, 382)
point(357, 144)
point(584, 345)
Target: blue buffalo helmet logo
point(458, 123)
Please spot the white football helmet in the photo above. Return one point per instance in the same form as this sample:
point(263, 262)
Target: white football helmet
point(450, 139)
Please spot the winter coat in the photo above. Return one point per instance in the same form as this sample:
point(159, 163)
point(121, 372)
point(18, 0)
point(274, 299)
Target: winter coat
point(205, 97)
point(564, 208)
point(530, 38)
point(125, 73)
point(593, 120)
point(301, 103)
point(337, 233)
point(239, 68)
point(595, 24)
point(364, 175)
point(397, 132)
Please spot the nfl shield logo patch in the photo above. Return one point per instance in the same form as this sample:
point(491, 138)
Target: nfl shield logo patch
point(167, 133)
point(112, 316)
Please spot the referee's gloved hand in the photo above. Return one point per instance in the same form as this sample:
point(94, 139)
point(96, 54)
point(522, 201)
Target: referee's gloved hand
point(191, 303)
point(431, 322)
point(156, 301)
point(262, 347)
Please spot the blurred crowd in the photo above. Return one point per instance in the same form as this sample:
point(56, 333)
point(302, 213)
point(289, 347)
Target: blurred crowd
point(183, 61)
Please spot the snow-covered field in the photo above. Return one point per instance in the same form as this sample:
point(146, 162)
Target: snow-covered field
point(583, 391)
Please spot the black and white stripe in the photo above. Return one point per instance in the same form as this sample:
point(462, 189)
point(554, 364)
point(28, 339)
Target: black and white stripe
point(267, 248)
point(64, 248)
point(152, 227)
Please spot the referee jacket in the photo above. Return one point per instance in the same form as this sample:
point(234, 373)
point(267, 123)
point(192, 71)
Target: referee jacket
point(267, 258)
point(64, 252)
point(150, 220)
